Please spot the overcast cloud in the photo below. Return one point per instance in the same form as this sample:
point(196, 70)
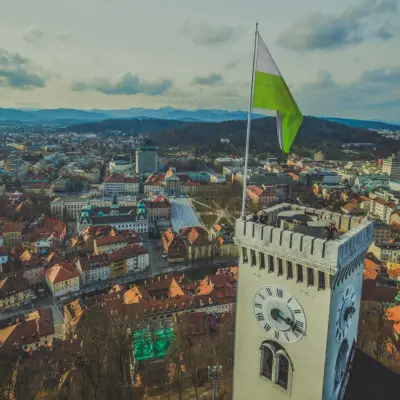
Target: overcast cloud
point(340, 58)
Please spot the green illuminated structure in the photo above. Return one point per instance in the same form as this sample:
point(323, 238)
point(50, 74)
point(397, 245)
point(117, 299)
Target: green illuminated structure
point(148, 344)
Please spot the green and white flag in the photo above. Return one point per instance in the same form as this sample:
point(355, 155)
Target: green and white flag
point(272, 93)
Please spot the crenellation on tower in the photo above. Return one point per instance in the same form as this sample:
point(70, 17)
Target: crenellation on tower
point(323, 252)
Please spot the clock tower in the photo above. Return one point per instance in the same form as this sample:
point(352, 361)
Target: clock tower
point(300, 281)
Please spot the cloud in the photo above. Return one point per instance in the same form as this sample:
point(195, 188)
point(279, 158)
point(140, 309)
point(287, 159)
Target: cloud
point(212, 79)
point(374, 93)
point(19, 72)
point(127, 84)
point(204, 34)
point(355, 25)
point(38, 36)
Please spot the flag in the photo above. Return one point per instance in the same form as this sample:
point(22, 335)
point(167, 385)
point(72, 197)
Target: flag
point(272, 93)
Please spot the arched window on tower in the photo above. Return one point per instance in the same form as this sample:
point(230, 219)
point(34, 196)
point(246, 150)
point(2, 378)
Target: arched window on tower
point(282, 373)
point(267, 360)
point(275, 365)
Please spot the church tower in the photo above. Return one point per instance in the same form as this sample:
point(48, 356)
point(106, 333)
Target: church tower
point(84, 219)
point(300, 282)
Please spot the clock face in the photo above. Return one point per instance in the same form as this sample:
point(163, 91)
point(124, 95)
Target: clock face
point(345, 312)
point(341, 363)
point(279, 314)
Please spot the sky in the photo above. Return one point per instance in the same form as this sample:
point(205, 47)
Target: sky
point(340, 58)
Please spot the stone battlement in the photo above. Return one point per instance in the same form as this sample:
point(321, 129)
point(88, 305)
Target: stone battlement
point(354, 237)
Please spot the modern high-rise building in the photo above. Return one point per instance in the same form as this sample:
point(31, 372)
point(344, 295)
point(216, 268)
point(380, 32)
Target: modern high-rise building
point(298, 304)
point(391, 166)
point(146, 159)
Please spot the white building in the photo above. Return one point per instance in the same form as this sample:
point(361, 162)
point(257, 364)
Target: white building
point(120, 185)
point(381, 209)
point(136, 258)
point(394, 185)
point(121, 218)
point(69, 208)
point(298, 303)
point(93, 268)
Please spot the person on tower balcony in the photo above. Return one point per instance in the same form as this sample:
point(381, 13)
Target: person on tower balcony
point(330, 231)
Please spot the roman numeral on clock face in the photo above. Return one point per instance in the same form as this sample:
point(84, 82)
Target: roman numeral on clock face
point(260, 317)
point(276, 335)
point(261, 296)
point(258, 305)
point(299, 325)
point(279, 292)
point(267, 327)
point(269, 291)
point(297, 311)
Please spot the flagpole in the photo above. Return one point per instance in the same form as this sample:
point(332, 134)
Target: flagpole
point(246, 160)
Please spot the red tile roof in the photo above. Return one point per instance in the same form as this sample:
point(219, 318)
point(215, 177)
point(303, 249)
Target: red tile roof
point(121, 178)
point(384, 202)
point(61, 272)
point(9, 227)
point(36, 325)
point(155, 179)
point(128, 252)
point(107, 240)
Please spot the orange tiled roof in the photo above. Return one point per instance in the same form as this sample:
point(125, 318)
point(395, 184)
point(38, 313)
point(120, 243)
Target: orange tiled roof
point(61, 272)
point(255, 189)
point(393, 314)
point(155, 179)
point(107, 240)
point(370, 269)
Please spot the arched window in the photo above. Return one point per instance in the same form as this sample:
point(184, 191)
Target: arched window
point(267, 361)
point(275, 365)
point(282, 374)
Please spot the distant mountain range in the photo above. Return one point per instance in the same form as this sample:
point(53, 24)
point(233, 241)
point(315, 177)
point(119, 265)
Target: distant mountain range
point(65, 116)
point(50, 115)
point(356, 123)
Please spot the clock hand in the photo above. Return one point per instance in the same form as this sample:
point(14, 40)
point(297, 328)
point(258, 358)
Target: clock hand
point(349, 313)
point(283, 318)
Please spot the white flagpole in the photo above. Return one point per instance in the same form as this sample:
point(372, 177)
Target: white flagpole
point(246, 160)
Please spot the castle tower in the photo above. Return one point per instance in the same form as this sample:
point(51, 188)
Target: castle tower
point(300, 281)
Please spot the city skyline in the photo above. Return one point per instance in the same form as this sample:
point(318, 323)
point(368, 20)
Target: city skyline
point(338, 59)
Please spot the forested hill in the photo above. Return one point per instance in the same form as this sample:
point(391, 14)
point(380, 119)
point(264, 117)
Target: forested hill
point(315, 134)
